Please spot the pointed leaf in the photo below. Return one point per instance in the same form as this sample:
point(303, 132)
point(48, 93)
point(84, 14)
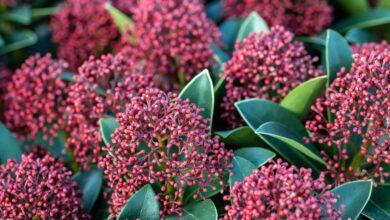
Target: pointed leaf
point(256, 155)
point(215, 11)
point(200, 91)
point(67, 76)
point(359, 36)
point(21, 14)
point(241, 169)
point(378, 207)
point(107, 127)
point(89, 182)
point(229, 30)
point(9, 146)
point(17, 40)
point(354, 196)
point(142, 205)
point(204, 210)
point(240, 137)
point(253, 23)
point(122, 21)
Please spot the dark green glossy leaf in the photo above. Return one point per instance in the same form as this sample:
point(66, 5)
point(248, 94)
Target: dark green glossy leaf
point(371, 18)
point(107, 127)
point(256, 112)
point(241, 169)
point(89, 182)
point(338, 54)
point(67, 76)
point(359, 36)
point(256, 155)
point(200, 91)
point(215, 11)
point(122, 21)
point(17, 40)
point(204, 210)
point(353, 6)
point(240, 137)
point(229, 30)
point(301, 98)
point(1, 41)
point(295, 141)
point(253, 23)
point(378, 207)
point(9, 146)
point(218, 52)
point(142, 204)
point(21, 14)
point(56, 145)
point(354, 196)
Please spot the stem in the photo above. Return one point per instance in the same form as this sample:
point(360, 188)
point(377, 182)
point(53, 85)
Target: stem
point(170, 190)
point(357, 160)
point(182, 79)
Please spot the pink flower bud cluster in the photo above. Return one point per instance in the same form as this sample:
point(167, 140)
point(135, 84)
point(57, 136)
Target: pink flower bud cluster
point(174, 37)
point(280, 191)
point(366, 49)
point(82, 28)
point(265, 65)
point(5, 78)
point(39, 188)
point(359, 106)
point(307, 17)
point(164, 140)
point(102, 88)
point(36, 98)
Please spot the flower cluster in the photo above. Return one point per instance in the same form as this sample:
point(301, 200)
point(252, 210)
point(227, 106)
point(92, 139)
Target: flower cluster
point(301, 16)
point(163, 139)
point(36, 98)
point(279, 191)
point(173, 37)
point(5, 78)
point(366, 49)
point(82, 28)
point(102, 87)
point(358, 103)
point(39, 188)
point(265, 65)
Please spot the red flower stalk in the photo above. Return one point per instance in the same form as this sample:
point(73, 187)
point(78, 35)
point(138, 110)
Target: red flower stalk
point(301, 16)
point(174, 37)
point(279, 191)
point(267, 66)
point(82, 28)
point(101, 89)
point(39, 188)
point(36, 97)
point(163, 139)
point(359, 106)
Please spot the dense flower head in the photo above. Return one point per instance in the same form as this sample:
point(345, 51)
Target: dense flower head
point(39, 188)
point(265, 65)
point(36, 98)
point(82, 28)
point(163, 139)
point(359, 106)
point(366, 49)
point(5, 77)
point(300, 16)
point(102, 87)
point(174, 37)
point(280, 191)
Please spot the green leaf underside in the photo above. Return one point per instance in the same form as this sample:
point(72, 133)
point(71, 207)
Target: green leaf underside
point(107, 127)
point(89, 183)
point(256, 155)
point(241, 169)
point(9, 146)
point(142, 204)
point(338, 54)
point(354, 196)
point(204, 210)
point(301, 98)
point(200, 91)
point(241, 137)
point(378, 207)
point(253, 23)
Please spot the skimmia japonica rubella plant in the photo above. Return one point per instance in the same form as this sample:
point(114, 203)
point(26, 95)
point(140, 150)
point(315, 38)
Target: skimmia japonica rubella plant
point(194, 109)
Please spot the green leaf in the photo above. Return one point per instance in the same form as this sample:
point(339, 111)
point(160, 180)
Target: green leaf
point(37, 13)
point(142, 205)
point(338, 54)
point(122, 21)
point(204, 210)
point(1, 41)
point(301, 98)
point(354, 196)
point(256, 155)
point(371, 18)
point(241, 169)
point(256, 112)
point(107, 127)
point(353, 6)
point(9, 146)
point(214, 11)
point(200, 91)
point(378, 207)
point(21, 14)
point(56, 146)
point(240, 137)
point(67, 76)
point(229, 30)
point(253, 23)
point(17, 40)
point(89, 182)
point(359, 36)
point(290, 138)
